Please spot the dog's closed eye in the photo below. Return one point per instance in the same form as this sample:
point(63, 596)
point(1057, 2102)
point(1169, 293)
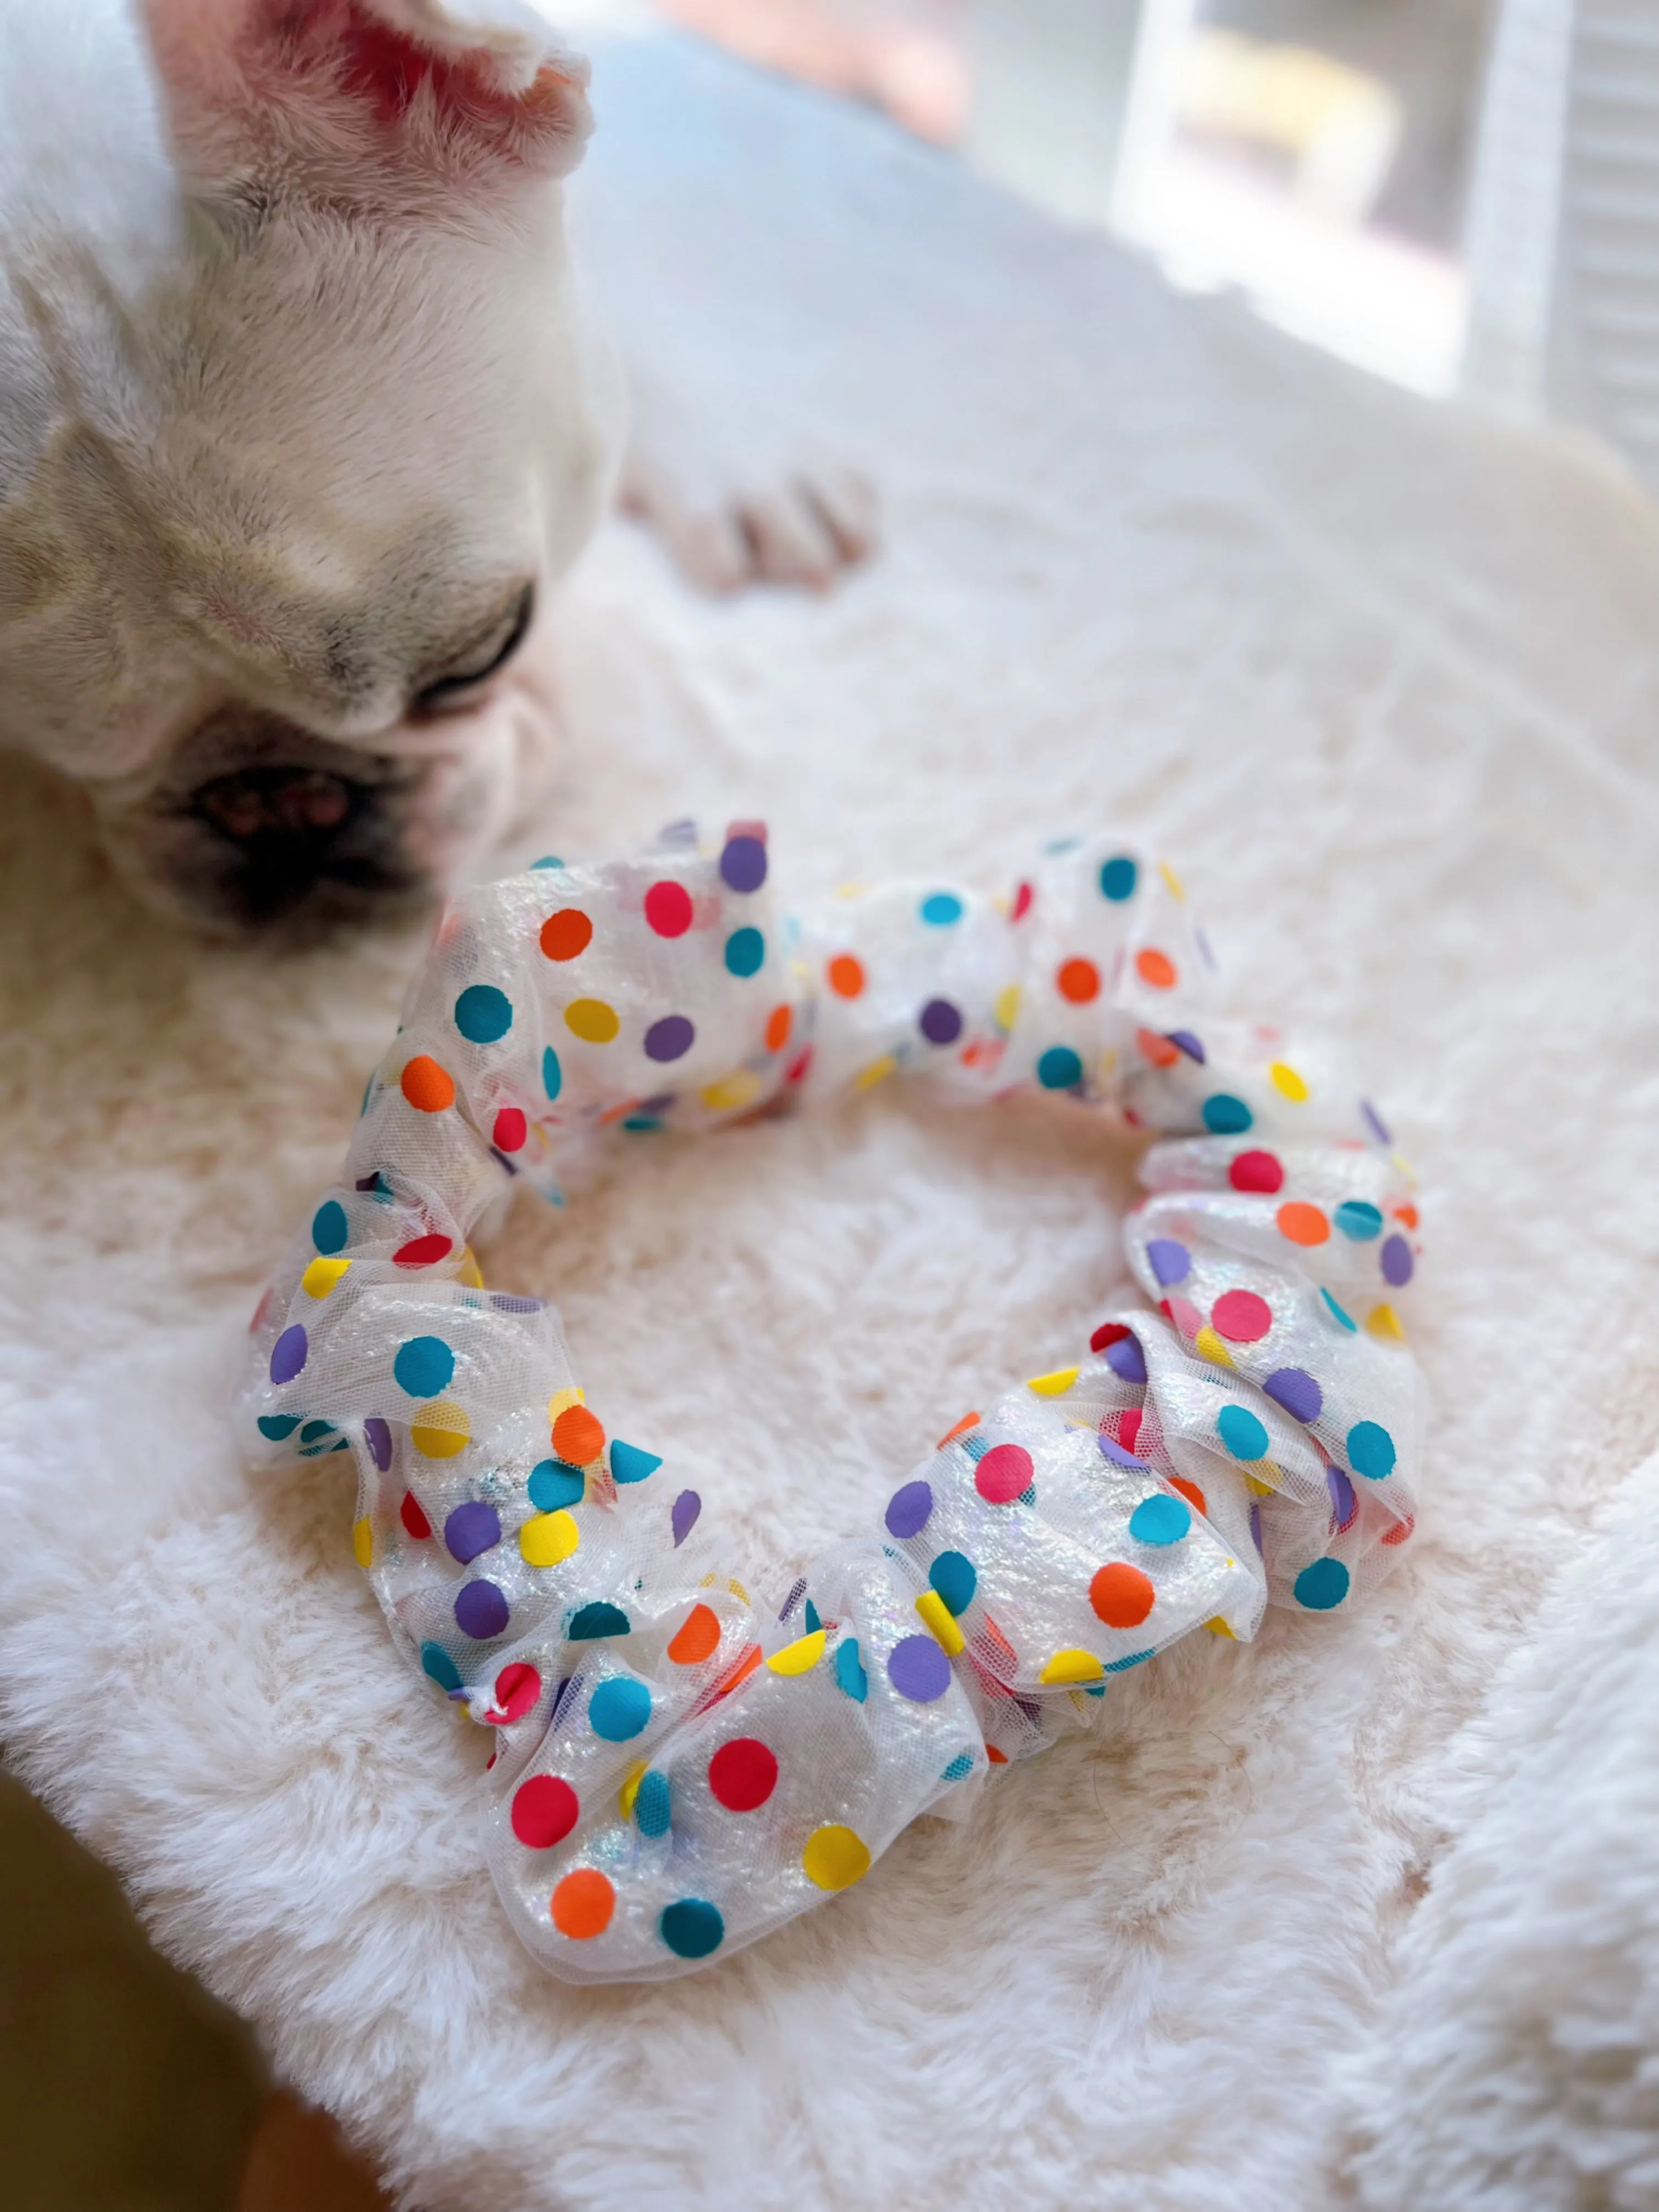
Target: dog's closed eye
point(459, 685)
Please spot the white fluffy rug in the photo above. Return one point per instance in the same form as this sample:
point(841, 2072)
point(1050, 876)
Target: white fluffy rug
point(1383, 681)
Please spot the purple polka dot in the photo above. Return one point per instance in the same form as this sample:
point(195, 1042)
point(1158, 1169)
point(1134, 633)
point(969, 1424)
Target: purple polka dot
point(378, 1438)
point(907, 1510)
point(1295, 1390)
point(1127, 1360)
point(472, 1528)
point(918, 1669)
point(1398, 1267)
point(1255, 1524)
point(1190, 1044)
point(480, 1611)
point(683, 1518)
point(669, 1039)
point(288, 1354)
point(1375, 1123)
point(1111, 1449)
point(742, 864)
point(1342, 1497)
point(1169, 1262)
point(941, 1023)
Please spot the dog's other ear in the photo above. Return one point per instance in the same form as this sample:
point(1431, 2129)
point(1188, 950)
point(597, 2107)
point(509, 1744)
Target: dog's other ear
point(370, 101)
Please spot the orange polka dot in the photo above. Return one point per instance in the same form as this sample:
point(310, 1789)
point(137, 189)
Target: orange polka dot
point(968, 1421)
point(565, 933)
point(583, 1904)
point(697, 1637)
point(997, 1757)
point(734, 1677)
point(1156, 968)
point(1079, 980)
point(578, 1436)
point(1302, 1224)
point(1190, 1491)
point(1156, 1048)
point(426, 1085)
point(1121, 1595)
point(846, 975)
point(779, 1023)
point(1406, 1215)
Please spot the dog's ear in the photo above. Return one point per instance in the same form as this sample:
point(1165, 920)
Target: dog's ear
point(368, 100)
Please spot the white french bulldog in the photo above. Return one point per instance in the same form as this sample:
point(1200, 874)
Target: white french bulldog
point(300, 421)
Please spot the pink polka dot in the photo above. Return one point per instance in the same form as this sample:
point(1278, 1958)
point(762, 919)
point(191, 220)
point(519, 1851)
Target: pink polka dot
point(668, 909)
point(1003, 1474)
point(1242, 1317)
point(1257, 1171)
point(1185, 1316)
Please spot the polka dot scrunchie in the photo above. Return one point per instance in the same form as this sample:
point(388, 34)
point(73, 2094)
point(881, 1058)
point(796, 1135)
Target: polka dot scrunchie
point(676, 1773)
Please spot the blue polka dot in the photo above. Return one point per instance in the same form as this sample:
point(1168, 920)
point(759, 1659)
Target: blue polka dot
point(553, 1484)
point(1244, 1435)
point(1059, 1068)
point(1226, 1115)
point(288, 1354)
point(745, 950)
point(1337, 1313)
point(1160, 1520)
point(552, 1073)
point(1322, 1585)
point(436, 1662)
point(600, 1619)
point(278, 1426)
point(1118, 878)
point(1370, 1450)
point(1170, 1263)
point(960, 1767)
point(629, 1464)
point(1355, 1218)
point(941, 908)
point(652, 1811)
point(954, 1576)
point(692, 1928)
point(329, 1227)
point(850, 1671)
point(482, 1013)
point(424, 1366)
point(618, 1710)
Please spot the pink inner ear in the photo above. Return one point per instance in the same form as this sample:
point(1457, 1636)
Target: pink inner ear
point(388, 68)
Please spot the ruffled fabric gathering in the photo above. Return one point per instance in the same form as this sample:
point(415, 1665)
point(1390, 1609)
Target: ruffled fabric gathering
point(676, 1773)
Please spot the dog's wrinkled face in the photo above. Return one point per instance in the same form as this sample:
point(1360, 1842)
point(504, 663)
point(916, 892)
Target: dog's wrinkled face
point(273, 550)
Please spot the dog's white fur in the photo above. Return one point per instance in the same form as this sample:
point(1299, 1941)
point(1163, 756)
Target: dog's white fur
point(299, 402)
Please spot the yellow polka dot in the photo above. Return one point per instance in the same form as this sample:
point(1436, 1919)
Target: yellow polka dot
point(1176, 888)
point(591, 1020)
point(440, 1430)
point(878, 1072)
point(1073, 1667)
point(560, 1401)
point(362, 1541)
point(1256, 1485)
point(547, 1538)
point(835, 1858)
point(1289, 1084)
point(320, 1277)
point(851, 890)
point(1382, 1321)
point(471, 1274)
point(1006, 1009)
point(737, 1591)
point(940, 1618)
point(1218, 1627)
point(800, 1656)
point(732, 1092)
point(1055, 1385)
point(1211, 1345)
point(630, 1788)
point(1108, 1063)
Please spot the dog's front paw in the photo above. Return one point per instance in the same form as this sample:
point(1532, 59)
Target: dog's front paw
point(799, 519)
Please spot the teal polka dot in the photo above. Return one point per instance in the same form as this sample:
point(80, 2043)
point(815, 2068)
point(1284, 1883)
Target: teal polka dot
point(1118, 878)
point(941, 908)
point(1059, 1068)
point(548, 861)
point(1355, 1218)
point(600, 1619)
point(1122, 1666)
point(618, 1710)
point(641, 1124)
point(278, 1426)
point(329, 1227)
point(424, 1366)
point(1226, 1115)
point(629, 1464)
point(745, 950)
point(1160, 1520)
point(692, 1928)
point(1370, 1450)
point(1322, 1585)
point(552, 1073)
point(651, 1804)
point(482, 1013)
point(1337, 1313)
point(954, 1576)
point(314, 1431)
point(1244, 1435)
point(813, 1623)
point(960, 1767)
point(436, 1662)
point(553, 1484)
point(850, 1671)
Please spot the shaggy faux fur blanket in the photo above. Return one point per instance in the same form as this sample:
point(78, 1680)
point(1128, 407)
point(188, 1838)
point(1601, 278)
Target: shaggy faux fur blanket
point(1382, 680)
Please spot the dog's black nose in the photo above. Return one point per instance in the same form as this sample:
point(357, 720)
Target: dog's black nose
point(292, 836)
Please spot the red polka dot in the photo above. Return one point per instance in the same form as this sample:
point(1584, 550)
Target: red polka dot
point(1078, 982)
point(1110, 1332)
point(413, 1519)
point(510, 1130)
point(1003, 1474)
point(578, 1436)
point(1022, 898)
point(544, 1811)
point(1156, 1048)
point(742, 1774)
point(423, 1251)
point(565, 933)
point(1128, 1427)
point(516, 1688)
point(779, 1023)
point(428, 1087)
point(668, 909)
point(1242, 1317)
point(1191, 1492)
point(1256, 1171)
point(1121, 1595)
point(1400, 1530)
point(997, 1757)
